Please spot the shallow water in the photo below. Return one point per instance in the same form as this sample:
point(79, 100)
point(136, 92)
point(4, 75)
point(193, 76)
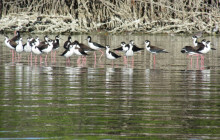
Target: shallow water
point(169, 100)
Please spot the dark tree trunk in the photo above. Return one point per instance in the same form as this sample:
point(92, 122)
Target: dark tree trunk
point(1, 8)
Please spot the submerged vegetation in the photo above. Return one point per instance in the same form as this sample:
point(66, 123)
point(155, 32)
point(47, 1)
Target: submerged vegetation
point(115, 16)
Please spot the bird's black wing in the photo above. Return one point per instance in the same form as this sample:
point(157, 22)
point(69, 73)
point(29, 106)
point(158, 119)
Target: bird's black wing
point(66, 46)
point(114, 54)
point(118, 49)
point(99, 45)
point(135, 48)
point(64, 52)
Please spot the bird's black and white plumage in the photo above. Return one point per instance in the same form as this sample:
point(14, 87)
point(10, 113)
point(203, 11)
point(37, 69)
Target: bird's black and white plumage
point(189, 50)
point(196, 43)
point(47, 47)
point(124, 47)
point(35, 49)
point(46, 39)
point(77, 49)
point(19, 48)
point(10, 43)
point(135, 48)
point(153, 49)
point(84, 47)
point(27, 46)
point(130, 51)
point(16, 37)
point(206, 49)
point(56, 43)
point(66, 43)
point(68, 52)
point(36, 41)
point(111, 55)
point(94, 45)
point(196, 49)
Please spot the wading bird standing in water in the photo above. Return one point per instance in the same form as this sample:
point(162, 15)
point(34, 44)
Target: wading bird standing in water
point(95, 46)
point(111, 55)
point(153, 49)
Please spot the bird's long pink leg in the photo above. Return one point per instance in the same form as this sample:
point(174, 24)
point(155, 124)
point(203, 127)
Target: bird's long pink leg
point(51, 56)
point(35, 59)
point(191, 62)
point(31, 58)
point(28, 58)
point(55, 56)
point(101, 55)
point(78, 60)
point(154, 60)
point(197, 61)
point(46, 58)
point(12, 51)
point(95, 55)
point(41, 59)
point(15, 55)
point(84, 60)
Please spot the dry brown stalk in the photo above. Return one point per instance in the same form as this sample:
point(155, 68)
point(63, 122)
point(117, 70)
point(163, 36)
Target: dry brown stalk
point(150, 16)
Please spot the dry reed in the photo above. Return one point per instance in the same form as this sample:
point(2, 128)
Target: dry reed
point(115, 16)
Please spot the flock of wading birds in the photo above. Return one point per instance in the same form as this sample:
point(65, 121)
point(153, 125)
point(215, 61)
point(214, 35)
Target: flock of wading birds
point(37, 47)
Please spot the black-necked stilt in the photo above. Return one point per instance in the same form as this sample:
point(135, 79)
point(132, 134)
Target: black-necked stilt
point(135, 48)
point(27, 48)
point(111, 55)
point(56, 45)
point(11, 45)
point(196, 43)
point(95, 46)
point(19, 48)
point(68, 52)
point(204, 50)
point(130, 53)
point(16, 37)
point(66, 44)
point(78, 51)
point(85, 47)
point(153, 49)
point(36, 51)
point(190, 50)
point(36, 41)
point(198, 46)
point(46, 48)
point(46, 39)
point(124, 47)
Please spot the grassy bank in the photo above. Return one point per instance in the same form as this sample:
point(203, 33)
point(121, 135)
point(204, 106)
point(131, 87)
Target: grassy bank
point(114, 16)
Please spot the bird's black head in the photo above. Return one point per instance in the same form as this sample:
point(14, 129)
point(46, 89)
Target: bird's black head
point(75, 42)
point(69, 37)
point(194, 37)
point(18, 33)
point(89, 38)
